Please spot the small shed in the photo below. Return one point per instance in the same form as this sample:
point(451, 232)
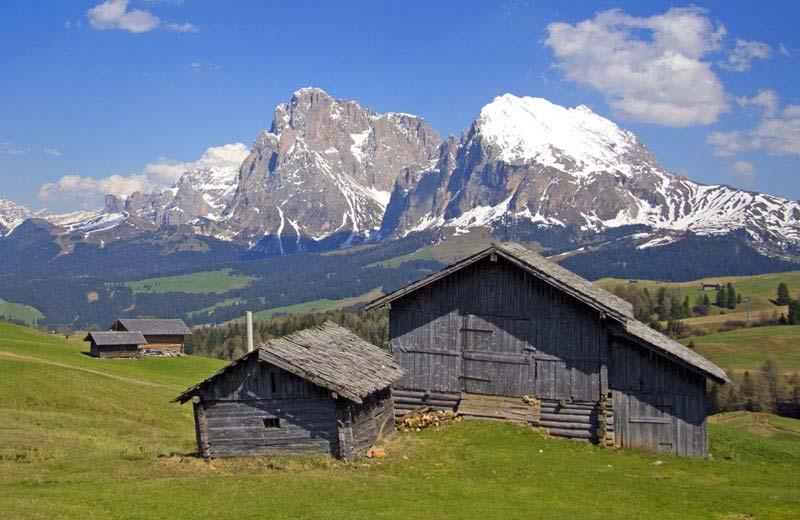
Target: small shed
point(111, 344)
point(506, 333)
point(322, 390)
point(165, 336)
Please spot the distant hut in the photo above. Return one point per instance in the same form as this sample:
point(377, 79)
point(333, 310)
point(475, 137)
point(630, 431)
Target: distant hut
point(322, 390)
point(164, 336)
point(505, 323)
point(110, 344)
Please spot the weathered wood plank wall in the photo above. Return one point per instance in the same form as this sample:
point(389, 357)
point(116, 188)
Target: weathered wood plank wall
point(658, 405)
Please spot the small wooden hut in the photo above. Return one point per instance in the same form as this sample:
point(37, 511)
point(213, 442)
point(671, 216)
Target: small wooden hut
point(322, 390)
point(110, 344)
point(505, 323)
point(164, 336)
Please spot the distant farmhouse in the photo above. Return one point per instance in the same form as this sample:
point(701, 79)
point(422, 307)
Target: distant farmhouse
point(508, 334)
point(163, 336)
point(319, 391)
point(110, 344)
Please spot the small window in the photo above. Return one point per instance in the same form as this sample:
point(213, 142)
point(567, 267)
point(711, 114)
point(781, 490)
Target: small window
point(272, 384)
point(272, 422)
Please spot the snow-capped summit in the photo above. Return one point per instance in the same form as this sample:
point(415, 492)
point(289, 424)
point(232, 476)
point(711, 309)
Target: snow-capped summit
point(527, 129)
point(528, 162)
point(11, 216)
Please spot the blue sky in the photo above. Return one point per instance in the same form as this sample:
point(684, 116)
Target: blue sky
point(98, 89)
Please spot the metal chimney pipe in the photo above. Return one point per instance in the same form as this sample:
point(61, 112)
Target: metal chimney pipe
point(249, 316)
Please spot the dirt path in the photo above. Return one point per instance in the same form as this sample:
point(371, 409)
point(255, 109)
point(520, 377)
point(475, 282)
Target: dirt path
point(82, 369)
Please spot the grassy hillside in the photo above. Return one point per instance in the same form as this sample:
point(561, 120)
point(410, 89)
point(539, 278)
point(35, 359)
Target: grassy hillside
point(759, 288)
point(88, 438)
point(749, 348)
point(205, 282)
point(19, 312)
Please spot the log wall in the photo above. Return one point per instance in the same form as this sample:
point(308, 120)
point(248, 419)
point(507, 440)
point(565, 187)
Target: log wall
point(114, 351)
point(259, 409)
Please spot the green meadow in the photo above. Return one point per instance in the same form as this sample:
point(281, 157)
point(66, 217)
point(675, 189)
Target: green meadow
point(205, 282)
point(20, 312)
point(88, 438)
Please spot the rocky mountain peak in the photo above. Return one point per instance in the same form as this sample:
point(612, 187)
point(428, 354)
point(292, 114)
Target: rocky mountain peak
point(324, 172)
point(11, 216)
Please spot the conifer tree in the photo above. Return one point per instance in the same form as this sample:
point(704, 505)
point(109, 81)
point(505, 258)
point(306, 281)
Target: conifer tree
point(731, 297)
point(783, 297)
point(722, 297)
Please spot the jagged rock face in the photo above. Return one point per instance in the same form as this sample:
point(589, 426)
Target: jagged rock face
point(202, 191)
point(11, 216)
point(528, 160)
point(323, 173)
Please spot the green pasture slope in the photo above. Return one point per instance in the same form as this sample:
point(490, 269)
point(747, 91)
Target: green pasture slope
point(20, 312)
point(205, 282)
point(759, 288)
point(748, 349)
point(87, 438)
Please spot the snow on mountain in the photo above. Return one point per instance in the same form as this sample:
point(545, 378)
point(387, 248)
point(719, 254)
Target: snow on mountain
point(534, 129)
point(11, 216)
point(526, 160)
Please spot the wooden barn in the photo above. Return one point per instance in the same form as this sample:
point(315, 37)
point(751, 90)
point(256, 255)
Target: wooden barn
point(507, 334)
point(319, 391)
point(164, 336)
point(110, 344)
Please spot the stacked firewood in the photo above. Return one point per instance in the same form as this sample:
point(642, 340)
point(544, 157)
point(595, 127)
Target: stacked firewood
point(424, 417)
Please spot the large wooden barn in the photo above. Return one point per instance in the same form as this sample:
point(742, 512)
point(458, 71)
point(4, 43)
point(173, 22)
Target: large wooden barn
point(164, 336)
point(505, 324)
point(319, 391)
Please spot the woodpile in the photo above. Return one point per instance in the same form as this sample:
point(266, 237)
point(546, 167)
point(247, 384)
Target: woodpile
point(424, 417)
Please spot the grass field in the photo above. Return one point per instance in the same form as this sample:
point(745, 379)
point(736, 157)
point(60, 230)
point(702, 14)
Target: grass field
point(205, 282)
point(88, 438)
point(454, 247)
point(749, 348)
point(20, 312)
point(759, 288)
point(315, 306)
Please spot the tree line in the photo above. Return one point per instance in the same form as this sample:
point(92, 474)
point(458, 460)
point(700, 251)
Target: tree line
point(762, 390)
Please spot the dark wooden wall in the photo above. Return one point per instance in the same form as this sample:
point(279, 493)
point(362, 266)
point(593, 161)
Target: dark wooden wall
point(492, 328)
point(114, 351)
point(230, 415)
point(658, 405)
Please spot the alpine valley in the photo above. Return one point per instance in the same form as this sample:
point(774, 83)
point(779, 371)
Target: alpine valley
point(336, 200)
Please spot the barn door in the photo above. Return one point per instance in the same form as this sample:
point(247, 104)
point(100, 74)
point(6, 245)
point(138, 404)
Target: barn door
point(496, 356)
point(650, 423)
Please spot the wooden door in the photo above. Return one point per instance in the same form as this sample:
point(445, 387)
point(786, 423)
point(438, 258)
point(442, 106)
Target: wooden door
point(496, 356)
point(650, 423)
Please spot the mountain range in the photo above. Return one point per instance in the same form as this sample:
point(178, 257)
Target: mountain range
point(330, 173)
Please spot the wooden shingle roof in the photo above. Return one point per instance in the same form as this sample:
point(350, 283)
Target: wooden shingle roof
point(538, 266)
point(641, 333)
point(329, 356)
point(148, 326)
point(111, 338)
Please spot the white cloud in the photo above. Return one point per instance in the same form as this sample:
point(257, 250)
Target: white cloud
point(783, 49)
point(55, 152)
point(765, 100)
point(8, 148)
point(181, 27)
point(115, 14)
point(743, 171)
point(777, 133)
point(74, 191)
point(652, 69)
point(744, 53)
